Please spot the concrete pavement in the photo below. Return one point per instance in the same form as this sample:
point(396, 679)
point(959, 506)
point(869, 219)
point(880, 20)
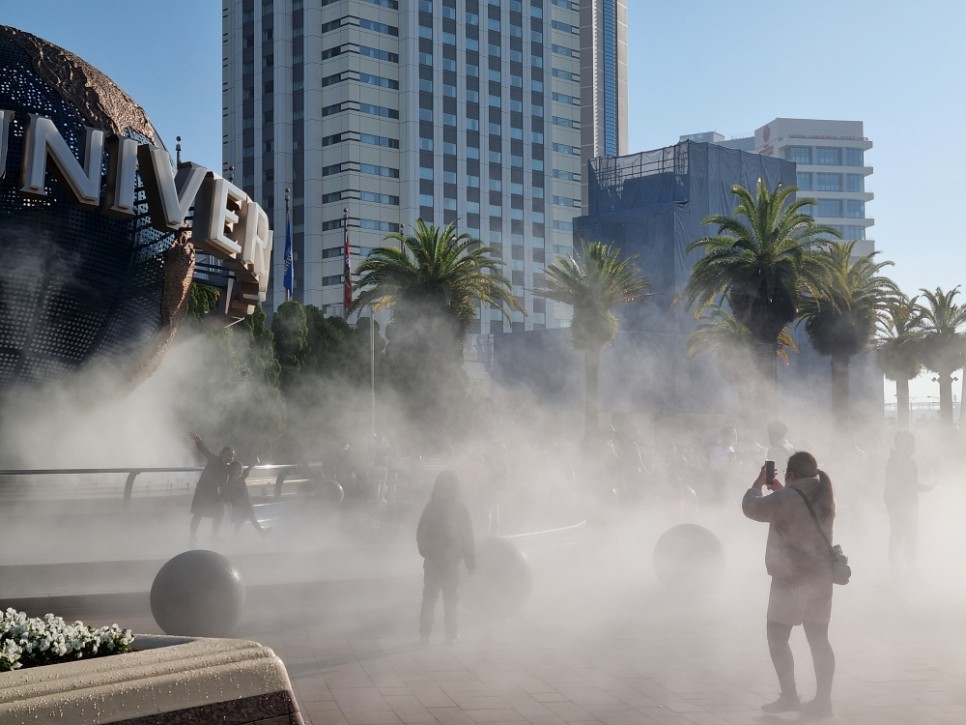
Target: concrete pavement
point(618, 649)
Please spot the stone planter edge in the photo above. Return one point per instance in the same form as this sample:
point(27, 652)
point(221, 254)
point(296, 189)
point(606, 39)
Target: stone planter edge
point(166, 679)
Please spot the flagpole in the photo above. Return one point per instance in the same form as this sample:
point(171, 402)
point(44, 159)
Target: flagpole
point(288, 281)
point(347, 267)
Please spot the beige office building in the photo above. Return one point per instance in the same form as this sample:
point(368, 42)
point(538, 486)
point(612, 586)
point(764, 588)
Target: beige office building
point(404, 109)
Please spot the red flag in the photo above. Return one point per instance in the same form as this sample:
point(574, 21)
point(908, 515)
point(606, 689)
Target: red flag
point(347, 271)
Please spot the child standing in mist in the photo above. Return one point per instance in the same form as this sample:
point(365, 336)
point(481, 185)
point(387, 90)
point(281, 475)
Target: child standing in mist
point(236, 494)
point(444, 537)
point(208, 501)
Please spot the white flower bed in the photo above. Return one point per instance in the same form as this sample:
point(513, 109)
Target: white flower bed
point(32, 641)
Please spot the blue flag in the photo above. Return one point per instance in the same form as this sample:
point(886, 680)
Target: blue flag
point(289, 279)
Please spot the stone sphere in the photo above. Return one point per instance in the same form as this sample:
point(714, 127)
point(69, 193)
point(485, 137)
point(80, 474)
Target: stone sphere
point(77, 284)
point(198, 594)
point(688, 557)
point(503, 579)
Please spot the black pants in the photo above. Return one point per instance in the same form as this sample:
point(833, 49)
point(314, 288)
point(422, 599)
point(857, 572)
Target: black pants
point(440, 576)
point(823, 658)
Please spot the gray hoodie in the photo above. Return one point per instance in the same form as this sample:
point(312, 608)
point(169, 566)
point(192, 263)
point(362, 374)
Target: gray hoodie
point(795, 550)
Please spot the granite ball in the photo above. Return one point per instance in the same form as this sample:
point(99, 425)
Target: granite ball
point(688, 557)
point(503, 579)
point(198, 593)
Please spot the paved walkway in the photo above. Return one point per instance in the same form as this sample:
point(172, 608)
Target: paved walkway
point(603, 642)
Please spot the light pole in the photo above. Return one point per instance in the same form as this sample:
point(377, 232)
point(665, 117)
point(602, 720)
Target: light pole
point(372, 365)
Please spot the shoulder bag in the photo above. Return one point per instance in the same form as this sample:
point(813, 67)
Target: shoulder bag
point(841, 571)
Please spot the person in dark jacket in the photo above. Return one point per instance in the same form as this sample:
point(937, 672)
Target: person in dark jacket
point(236, 494)
point(209, 498)
point(797, 558)
point(444, 537)
point(902, 491)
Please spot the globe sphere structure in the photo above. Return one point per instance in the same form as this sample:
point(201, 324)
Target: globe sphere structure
point(77, 284)
point(198, 593)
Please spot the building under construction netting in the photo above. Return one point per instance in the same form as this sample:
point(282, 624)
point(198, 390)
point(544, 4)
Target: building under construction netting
point(651, 204)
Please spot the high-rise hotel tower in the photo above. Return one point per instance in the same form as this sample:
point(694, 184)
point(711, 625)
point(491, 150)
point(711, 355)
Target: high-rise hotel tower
point(483, 111)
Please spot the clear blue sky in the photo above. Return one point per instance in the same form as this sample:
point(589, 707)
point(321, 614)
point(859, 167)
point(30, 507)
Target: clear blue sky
point(701, 65)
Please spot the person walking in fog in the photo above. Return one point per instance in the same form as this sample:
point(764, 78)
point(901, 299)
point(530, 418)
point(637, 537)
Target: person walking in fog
point(779, 449)
point(236, 494)
point(797, 558)
point(209, 498)
point(902, 491)
point(444, 538)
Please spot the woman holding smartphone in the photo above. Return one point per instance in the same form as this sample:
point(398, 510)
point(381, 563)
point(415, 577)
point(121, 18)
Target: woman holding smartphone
point(797, 559)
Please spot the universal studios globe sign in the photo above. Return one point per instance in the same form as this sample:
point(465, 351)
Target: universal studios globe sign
point(96, 258)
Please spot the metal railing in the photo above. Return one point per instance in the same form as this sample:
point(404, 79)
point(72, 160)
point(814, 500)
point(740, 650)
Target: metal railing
point(282, 471)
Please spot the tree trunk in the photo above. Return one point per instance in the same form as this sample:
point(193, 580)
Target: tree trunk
point(902, 404)
point(766, 358)
point(840, 390)
point(591, 392)
point(946, 398)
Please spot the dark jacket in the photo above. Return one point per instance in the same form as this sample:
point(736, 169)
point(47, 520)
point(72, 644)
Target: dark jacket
point(236, 494)
point(902, 481)
point(445, 532)
point(210, 490)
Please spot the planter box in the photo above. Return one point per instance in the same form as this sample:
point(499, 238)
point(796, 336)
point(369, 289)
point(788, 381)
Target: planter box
point(165, 680)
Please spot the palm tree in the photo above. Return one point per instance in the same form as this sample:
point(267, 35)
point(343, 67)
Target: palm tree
point(899, 349)
point(435, 276)
point(761, 267)
point(943, 345)
point(434, 282)
point(841, 322)
point(720, 333)
point(593, 282)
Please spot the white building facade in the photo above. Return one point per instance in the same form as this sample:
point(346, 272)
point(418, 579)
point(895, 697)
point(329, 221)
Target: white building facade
point(832, 168)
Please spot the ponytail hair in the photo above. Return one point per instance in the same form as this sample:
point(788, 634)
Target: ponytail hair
point(826, 497)
point(804, 464)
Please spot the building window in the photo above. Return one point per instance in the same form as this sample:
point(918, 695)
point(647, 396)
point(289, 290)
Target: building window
point(798, 154)
point(374, 140)
point(854, 182)
point(828, 208)
point(380, 81)
point(379, 198)
point(828, 156)
point(378, 225)
point(372, 25)
point(377, 53)
point(375, 170)
point(803, 180)
point(854, 208)
point(854, 157)
point(374, 110)
point(828, 182)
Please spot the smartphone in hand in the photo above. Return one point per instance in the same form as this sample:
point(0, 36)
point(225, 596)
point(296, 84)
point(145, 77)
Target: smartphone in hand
point(769, 473)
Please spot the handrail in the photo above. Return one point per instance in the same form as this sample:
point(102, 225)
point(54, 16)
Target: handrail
point(283, 470)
